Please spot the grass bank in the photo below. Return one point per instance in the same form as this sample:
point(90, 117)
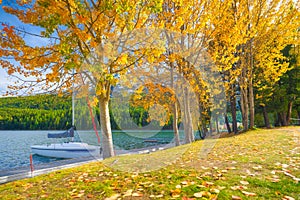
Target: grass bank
point(260, 164)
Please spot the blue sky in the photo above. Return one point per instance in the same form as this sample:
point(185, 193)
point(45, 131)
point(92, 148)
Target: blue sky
point(4, 79)
point(6, 18)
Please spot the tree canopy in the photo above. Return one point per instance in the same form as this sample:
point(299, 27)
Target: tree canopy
point(98, 43)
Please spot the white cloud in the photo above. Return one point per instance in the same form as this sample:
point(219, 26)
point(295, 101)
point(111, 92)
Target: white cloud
point(4, 81)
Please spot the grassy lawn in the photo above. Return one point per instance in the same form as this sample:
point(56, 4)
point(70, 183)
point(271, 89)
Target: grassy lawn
point(260, 164)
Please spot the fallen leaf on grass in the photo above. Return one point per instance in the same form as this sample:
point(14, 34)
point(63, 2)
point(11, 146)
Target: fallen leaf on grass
point(257, 167)
point(236, 197)
point(238, 187)
point(277, 193)
point(207, 183)
point(128, 193)
point(202, 194)
point(137, 194)
point(187, 198)
point(77, 195)
point(113, 197)
point(214, 190)
point(198, 195)
point(273, 179)
point(184, 182)
point(285, 165)
point(250, 194)
point(220, 187)
point(231, 168)
point(244, 182)
point(175, 193)
point(292, 176)
point(90, 196)
point(287, 198)
point(44, 196)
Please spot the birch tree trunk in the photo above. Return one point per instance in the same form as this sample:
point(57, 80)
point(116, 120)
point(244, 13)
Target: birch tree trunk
point(175, 122)
point(107, 142)
point(188, 126)
point(289, 112)
point(233, 113)
point(175, 111)
point(245, 108)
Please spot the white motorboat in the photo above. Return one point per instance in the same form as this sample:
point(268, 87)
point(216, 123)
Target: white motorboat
point(66, 149)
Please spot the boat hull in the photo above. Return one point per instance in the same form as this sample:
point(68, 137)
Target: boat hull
point(66, 150)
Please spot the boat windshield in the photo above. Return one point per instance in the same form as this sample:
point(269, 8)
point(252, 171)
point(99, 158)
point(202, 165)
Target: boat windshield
point(68, 133)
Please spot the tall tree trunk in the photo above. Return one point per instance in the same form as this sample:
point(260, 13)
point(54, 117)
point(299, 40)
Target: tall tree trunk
point(185, 118)
point(217, 124)
point(277, 121)
point(175, 110)
point(233, 113)
point(188, 126)
point(289, 112)
point(283, 119)
point(227, 123)
point(245, 108)
point(210, 127)
point(107, 142)
point(266, 117)
point(251, 94)
point(251, 105)
point(175, 126)
point(203, 126)
point(200, 124)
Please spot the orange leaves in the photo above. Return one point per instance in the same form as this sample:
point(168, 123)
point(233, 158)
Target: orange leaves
point(175, 193)
point(9, 30)
point(10, 71)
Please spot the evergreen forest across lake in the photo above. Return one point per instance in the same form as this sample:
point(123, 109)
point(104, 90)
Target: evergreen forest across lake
point(53, 112)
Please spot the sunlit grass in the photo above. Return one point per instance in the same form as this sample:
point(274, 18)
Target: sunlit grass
point(264, 164)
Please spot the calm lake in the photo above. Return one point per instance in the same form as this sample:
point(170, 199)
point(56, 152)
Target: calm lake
point(15, 145)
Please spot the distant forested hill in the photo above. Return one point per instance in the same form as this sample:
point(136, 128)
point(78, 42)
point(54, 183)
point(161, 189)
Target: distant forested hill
point(40, 112)
point(51, 112)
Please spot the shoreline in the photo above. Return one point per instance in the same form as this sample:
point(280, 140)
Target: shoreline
point(9, 175)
